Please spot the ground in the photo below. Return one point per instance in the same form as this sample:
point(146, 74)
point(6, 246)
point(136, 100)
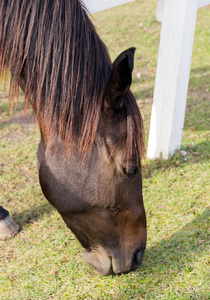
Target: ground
point(44, 261)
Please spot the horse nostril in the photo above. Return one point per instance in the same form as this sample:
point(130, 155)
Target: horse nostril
point(137, 259)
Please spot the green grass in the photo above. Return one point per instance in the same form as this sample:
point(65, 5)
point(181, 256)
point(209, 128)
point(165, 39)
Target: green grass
point(44, 261)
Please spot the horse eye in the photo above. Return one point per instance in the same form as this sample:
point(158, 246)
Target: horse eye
point(130, 170)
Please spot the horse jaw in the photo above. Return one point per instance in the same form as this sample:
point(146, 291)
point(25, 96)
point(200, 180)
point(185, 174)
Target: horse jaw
point(98, 258)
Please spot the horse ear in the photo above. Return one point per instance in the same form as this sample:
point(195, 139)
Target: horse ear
point(120, 79)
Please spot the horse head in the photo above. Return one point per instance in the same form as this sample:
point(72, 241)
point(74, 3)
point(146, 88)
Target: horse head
point(100, 197)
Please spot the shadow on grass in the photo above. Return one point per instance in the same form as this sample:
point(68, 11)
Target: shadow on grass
point(200, 78)
point(163, 263)
point(197, 112)
point(144, 94)
point(195, 153)
point(34, 214)
point(26, 119)
point(180, 250)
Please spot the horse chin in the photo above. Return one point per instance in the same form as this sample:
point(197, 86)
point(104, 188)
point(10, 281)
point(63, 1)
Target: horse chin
point(98, 258)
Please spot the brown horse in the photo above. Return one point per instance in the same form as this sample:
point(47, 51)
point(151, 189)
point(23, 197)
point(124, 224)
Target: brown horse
point(91, 133)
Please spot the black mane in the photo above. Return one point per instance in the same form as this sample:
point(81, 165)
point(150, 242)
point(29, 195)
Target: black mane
point(54, 53)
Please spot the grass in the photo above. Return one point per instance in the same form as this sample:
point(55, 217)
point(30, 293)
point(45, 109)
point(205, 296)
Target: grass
point(44, 261)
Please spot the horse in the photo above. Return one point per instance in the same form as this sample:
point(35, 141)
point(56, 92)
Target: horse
point(91, 132)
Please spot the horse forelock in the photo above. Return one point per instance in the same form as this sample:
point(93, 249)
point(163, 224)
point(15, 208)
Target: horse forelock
point(53, 48)
point(135, 130)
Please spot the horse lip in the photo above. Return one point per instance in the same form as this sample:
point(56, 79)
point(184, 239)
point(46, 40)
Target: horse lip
point(106, 264)
point(102, 264)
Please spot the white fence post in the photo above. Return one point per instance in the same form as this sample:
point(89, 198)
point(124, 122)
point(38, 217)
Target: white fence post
point(172, 77)
point(98, 5)
point(202, 3)
point(173, 70)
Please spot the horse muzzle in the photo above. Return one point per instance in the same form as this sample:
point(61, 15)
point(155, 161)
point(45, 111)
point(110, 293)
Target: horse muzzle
point(99, 259)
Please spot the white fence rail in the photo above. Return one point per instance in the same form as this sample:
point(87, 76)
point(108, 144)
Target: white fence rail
point(98, 5)
point(172, 76)
point(202, 3)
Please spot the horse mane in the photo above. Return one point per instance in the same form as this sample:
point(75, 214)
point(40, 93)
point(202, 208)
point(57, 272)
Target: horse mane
point(55, 55)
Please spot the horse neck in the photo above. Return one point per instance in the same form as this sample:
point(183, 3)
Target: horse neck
point(57, 58)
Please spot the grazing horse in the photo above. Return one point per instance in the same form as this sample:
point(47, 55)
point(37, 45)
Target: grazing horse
point(91, 144)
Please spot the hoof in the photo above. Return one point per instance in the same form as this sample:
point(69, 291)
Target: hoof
point(8, 228)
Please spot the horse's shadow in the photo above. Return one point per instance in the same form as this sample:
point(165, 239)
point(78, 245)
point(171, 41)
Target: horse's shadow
point(180, 251)
point(33, 214)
